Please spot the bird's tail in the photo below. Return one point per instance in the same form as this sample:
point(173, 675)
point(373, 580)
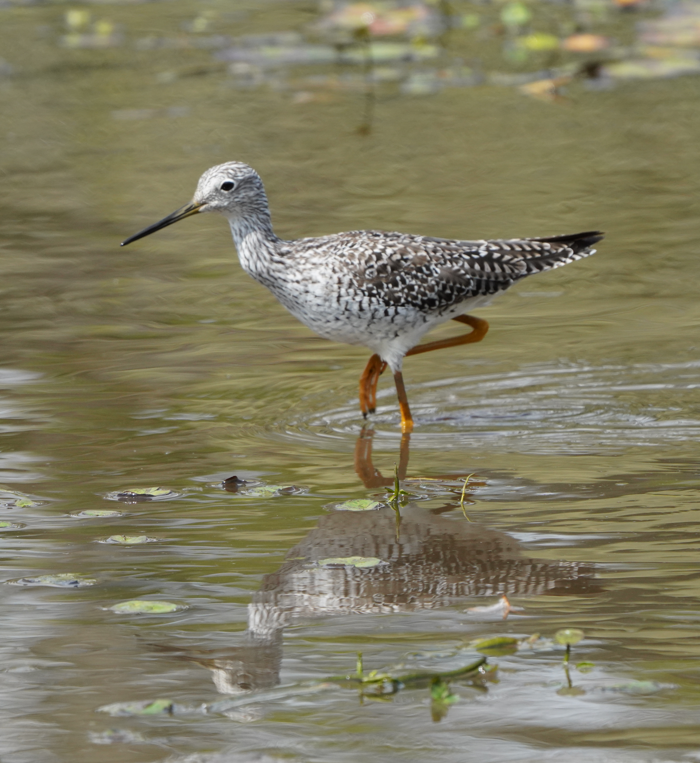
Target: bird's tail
point(562, 250)
point(575, 241)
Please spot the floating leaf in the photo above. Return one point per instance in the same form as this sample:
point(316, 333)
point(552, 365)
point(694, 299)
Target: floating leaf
point(60, 580)
point(128, 540)
point(148, 707)
point(24, 503)
point(77, 19)
point(497, 646)
point(97, 513)
point(267, 491)
point(10, 525)
point(539, 42)
point(356, 504)
point(144, 607)
point(515, 15)
point(361, 562)
point(12, 500)
point(584, 667)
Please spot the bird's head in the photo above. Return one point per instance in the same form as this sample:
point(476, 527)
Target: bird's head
point(233, 189)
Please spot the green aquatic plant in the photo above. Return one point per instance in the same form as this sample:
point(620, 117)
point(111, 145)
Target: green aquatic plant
point(568, 637)
point(144, 607)
point(441, 697)
point(397, 497)
point(464, 491)
point(392, 681)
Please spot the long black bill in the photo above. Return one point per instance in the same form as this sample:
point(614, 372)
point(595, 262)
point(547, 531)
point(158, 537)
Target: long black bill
point(179, 214)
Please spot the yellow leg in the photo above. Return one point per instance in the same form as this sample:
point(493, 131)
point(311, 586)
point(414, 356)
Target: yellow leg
point(375, 368)
point(406, 418)
point(368, 384)
point(479, 326)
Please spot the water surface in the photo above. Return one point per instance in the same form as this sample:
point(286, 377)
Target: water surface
point(164, 364)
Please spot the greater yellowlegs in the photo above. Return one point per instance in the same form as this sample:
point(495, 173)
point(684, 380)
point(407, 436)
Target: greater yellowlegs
point(372, 288)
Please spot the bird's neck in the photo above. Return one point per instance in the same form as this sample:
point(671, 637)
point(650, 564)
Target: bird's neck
point(255, 241)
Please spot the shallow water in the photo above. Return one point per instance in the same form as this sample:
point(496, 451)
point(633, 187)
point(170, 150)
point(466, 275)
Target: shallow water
point(163, 364)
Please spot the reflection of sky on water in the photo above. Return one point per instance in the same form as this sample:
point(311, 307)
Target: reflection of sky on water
point(17, 417)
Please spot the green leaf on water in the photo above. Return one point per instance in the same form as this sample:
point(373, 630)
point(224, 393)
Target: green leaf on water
point(357, 504)
point(361, 562)
point(12, 500)
point(584, 667)
point(77, 19)
point(60, 580)
point(568, 636)
point(10, 526)
point(268, 491)
point(148, 707)
point(128, 540)
point(539, 42)
point(497, 646)
point(97, 513)
point(24, 503)
point(145, 607)
point(515, 14)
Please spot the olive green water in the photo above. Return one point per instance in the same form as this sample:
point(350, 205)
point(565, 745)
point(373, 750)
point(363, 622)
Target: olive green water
point(164, 364)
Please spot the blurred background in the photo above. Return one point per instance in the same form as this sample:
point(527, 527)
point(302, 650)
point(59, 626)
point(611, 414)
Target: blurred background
point(555, 462)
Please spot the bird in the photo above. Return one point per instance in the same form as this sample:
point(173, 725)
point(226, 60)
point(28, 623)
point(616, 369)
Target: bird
point(383, 290)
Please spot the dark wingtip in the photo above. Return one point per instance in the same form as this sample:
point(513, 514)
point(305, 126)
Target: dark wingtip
point(577, 241)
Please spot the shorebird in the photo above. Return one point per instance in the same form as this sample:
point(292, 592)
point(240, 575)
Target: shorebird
point(373, 288)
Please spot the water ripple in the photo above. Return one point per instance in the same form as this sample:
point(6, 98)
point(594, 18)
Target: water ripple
point(571, 408)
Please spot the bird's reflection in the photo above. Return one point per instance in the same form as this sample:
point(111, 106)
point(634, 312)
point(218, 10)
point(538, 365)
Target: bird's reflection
point(430, 561)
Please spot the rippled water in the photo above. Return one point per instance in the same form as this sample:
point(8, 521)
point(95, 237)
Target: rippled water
point(575, 421)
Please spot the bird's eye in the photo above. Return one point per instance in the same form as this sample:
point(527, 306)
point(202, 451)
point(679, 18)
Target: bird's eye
point(229, 185)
